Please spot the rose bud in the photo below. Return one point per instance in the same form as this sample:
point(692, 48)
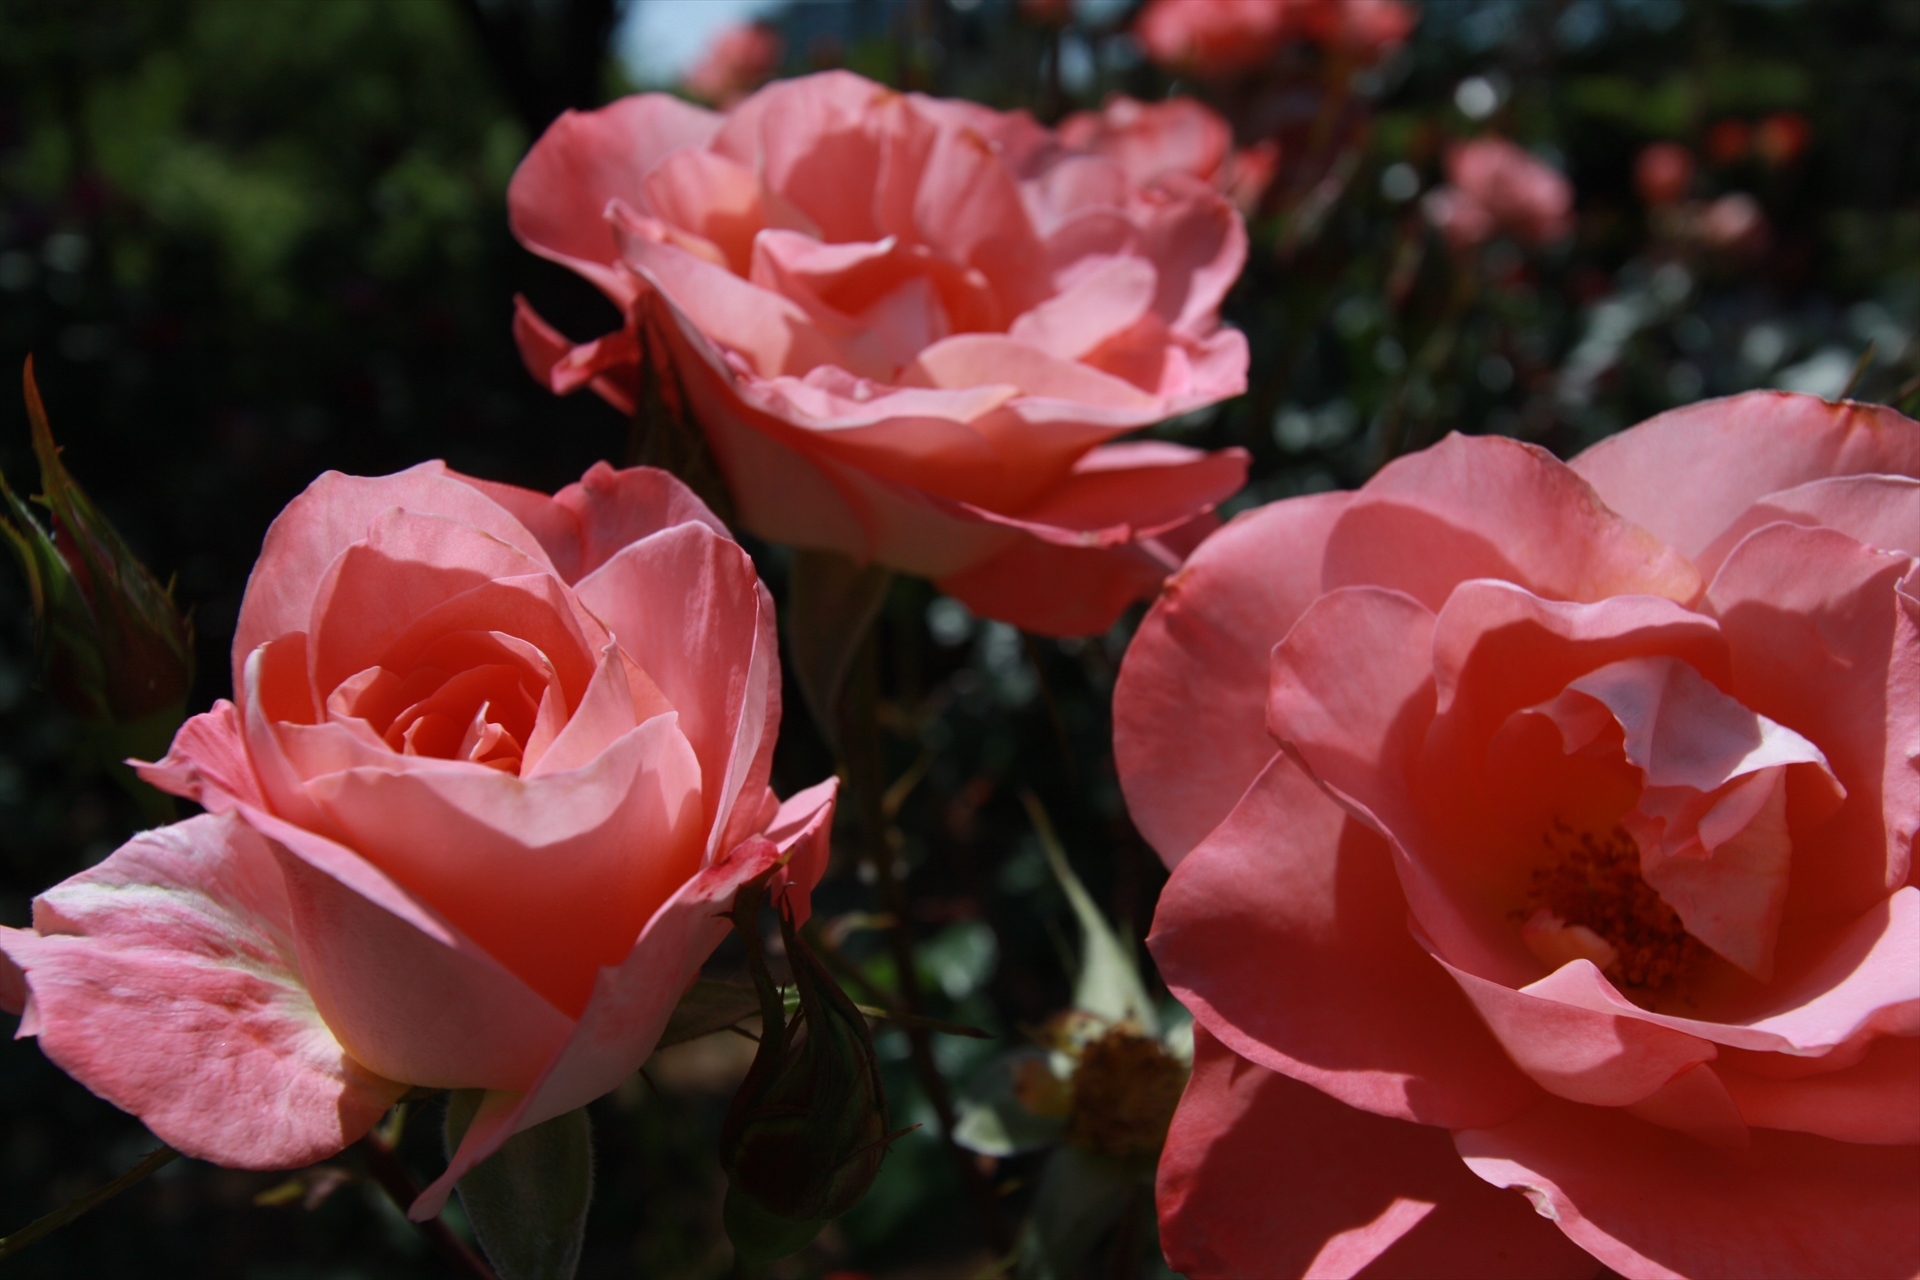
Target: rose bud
point(1542, 845)
point(913, 331)
point(494, 763)
point(808, 1128)
point(113, 645)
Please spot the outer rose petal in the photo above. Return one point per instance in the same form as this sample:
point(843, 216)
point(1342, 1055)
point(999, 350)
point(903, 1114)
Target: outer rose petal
point(1688, 473)
point(587, 523)
point(1189, 722)
point(1822, 641)
point(1875, 1100)
point(1651, 1202)
point(207, 762)
point(1489, 507)
point(164, 979)
point(686, 605)
point(459, 1021)
point(622, 1021)
point(559, 193)
point(1881, 511)
point(1264, 1176)
point(1289, 894)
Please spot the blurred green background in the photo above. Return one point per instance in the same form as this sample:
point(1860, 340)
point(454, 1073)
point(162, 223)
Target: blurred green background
point(250, 241)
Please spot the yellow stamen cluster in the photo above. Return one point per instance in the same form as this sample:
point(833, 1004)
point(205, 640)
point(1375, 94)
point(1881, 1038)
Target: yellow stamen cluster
point(1594, 880)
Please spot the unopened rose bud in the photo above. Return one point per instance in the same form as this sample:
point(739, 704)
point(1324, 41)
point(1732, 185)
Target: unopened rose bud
point(807, 1130)
point(113, 645)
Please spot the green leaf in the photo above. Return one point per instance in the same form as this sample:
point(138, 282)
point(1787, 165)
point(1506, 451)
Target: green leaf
point(710, 1005)
point(994, 1120)
point(831, 605)
point(528, 1201)
point(1109, 984)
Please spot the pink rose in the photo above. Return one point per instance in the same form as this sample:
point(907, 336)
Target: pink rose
point(1173, 140)
point(494, 762)
point(1496, 188)
point(1549, 827)
point(908, 327)
point(739, 60)
point(1662, 174)
point(1226, 37)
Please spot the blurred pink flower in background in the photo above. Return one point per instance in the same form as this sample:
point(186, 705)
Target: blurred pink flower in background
point(494, 762)
point(739, 60)
point(1549, 826)
point(1663, 173)
point(1496, 188)
point(1224, 37)
point(910, 328)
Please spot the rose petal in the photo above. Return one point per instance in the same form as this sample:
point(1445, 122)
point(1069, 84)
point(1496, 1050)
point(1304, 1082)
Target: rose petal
point(335, 512)
point(164, 979)
point(1651, 1202)
point(1264, 1176)
point(588, 522)
point(1821, 641)
point(1876, 1100)
point(592, 852)
point(1189, 707)
point(583, 160)
point(1290, 894)
point(1881, 511)
point(1690, 472)
point(207, 762)
point(459, 1021)
point(1100, 303)
point(623, 1019)
point(1490, 507)
point(687, 607)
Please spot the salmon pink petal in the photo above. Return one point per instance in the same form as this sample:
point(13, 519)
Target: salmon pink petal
point(1101, 302)
point(1490, 507)
point(630, 1004)
point(968, 208)
point(592, 852)
point(993, 359)
point(1875, 1100)
point(610, 364)
point(586, 158)
point(1190, 729)
point(800, 829)
point(1824, 641)
point(1265, 1176)
point(1290, 893)
point(710, 196)
point(1199, 244)
point(611, 707)
point(1576, 1052)
point(1649, 1201)
point(1144, 485)
point(588, 522)
point(1751, 445)
point(1049, 589)
point(207, 762)
point(686, 606)
point(165, 980)
point(814, 141)
point(459, 1021)
point(335, 512)
point(1881, 511)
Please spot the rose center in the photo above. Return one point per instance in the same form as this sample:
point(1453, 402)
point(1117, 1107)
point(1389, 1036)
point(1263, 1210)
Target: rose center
point(1589, 901)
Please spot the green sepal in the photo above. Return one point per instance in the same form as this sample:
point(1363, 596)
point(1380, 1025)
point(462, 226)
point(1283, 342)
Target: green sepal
point(528, 1201)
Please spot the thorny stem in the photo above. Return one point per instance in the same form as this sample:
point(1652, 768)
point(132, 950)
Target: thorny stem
point(152, 1161)
point(860, 739)
point(385, 1167)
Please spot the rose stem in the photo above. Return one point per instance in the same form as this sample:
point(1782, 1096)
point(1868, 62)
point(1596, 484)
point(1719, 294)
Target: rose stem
point(153, 1160)
point(860, 738)
point(387, 1170)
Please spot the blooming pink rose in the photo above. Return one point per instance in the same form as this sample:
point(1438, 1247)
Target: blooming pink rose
point(908, 327)
point(1496, 188)
point(494, 762)
point(1550, 827)
point(740, 59)
point(1225, 37)
point(1662, 173)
